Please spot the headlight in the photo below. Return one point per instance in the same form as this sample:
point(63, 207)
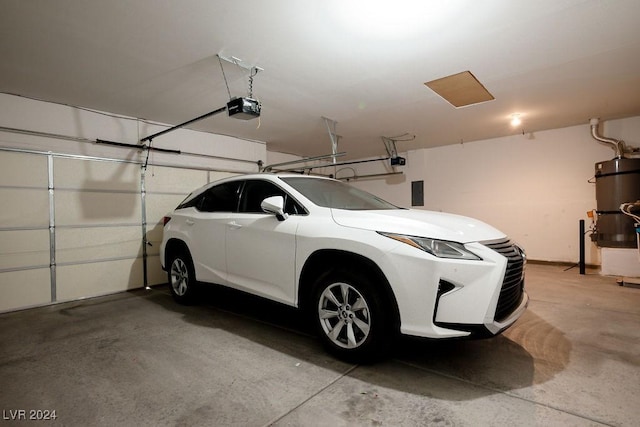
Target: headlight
point(439, 248)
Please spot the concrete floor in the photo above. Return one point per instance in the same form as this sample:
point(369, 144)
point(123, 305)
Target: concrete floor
point(140, 359)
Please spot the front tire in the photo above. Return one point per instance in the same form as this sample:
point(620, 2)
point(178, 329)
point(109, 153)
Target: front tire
point(182, 277)
point(350, 318)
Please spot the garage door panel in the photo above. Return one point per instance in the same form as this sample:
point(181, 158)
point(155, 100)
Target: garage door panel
point(174, 180)
point(24, 208)
point(27, 288)
point(100, 278)
point(155, 274)
point(154, 237)
point(24, 248)
point(85, 175)
point(76, 245)
point(97, 217)
point(23, 170)
point(97, 208)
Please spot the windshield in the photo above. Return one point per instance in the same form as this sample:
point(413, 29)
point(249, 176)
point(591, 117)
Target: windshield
point(336, 194)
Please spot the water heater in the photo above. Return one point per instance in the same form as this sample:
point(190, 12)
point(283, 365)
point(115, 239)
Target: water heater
point(617, 182)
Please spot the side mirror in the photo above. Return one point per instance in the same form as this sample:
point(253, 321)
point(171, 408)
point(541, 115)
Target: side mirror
point(274, 205)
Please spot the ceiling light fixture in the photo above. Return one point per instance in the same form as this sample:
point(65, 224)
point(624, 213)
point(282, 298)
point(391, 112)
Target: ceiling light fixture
point(515, 119)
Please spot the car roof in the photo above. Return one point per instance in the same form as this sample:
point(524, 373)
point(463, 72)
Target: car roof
point(280, 175)
point(267, 176)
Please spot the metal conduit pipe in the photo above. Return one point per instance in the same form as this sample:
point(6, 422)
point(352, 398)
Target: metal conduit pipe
point(617, 145)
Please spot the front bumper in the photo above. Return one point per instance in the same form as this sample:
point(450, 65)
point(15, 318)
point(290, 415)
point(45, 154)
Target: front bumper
point(477, 302)
point(490, 329)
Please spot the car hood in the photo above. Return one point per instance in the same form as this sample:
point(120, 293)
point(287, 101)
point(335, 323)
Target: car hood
point(435, 225)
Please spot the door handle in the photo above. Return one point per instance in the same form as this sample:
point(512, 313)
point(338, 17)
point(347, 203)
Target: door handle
point(190, 221)
point(234, 225)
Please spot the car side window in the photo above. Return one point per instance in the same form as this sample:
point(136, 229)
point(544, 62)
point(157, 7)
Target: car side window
point(292, 207)
point(255, 191)
point(220, 198)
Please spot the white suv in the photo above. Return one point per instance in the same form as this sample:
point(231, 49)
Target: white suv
point(364, 269)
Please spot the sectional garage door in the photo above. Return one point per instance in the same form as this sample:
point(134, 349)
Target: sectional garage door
point(72, 227)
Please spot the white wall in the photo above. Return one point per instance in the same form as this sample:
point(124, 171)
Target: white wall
point(96, 203)
point(533, 187)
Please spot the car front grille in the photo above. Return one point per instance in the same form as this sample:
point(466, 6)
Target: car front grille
point(513, 285)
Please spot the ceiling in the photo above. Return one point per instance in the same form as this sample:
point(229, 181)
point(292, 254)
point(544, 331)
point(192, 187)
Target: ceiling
point(555, 62)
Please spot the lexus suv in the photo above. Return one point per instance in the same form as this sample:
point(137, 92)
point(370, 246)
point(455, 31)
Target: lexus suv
point(362, 268)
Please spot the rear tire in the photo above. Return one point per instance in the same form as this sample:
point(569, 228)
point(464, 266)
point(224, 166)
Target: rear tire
point(182, 278)
point(350, 317)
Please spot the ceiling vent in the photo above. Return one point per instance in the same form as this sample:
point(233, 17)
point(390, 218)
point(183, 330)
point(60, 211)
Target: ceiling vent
point(460, 89)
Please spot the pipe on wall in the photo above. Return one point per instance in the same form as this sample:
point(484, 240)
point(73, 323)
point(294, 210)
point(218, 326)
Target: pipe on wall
point(617, 145)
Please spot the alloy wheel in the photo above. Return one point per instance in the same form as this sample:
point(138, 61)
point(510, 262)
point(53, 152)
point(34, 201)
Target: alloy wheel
point(179, 277)
point(344, 315)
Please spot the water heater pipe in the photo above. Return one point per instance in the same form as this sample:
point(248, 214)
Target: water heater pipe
point(617, 145)
point(626, 209)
